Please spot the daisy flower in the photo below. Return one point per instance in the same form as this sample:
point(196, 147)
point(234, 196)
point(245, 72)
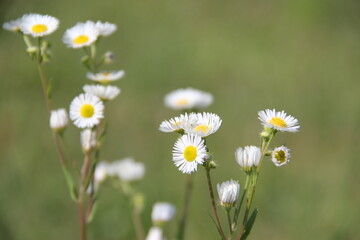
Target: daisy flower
point(162, 212)
point(101, 172)
point(87, 139)
point(106, 28)
point(106, 76)
point(58, 119)
point(13, 26)
point(38, 25)
point(189, 98)
point(155, 233)
point(228, 193)
point(203, 124)
point(176, 124)
point(188, 152)
point(81, 35)
point(248, 157)
point(103, 92)
point(279, 121)
point(86, 110)
point(127, 170)
point(280, 156)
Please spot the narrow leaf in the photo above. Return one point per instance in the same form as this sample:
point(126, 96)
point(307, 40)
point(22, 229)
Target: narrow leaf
point(217, 227)
point(71, 185)
point(249, 224)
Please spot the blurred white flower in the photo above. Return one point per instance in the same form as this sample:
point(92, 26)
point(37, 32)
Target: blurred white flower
point(162, 212)
point(155, 233)
point(106, 28)
point(188, 98)
point(58, 119)
point(81, 35)
point(248, 157)
point(228, 193)
point(38, 25)
point(127, 170)
point(280, 156)
point(87, 139)
point(13, 26)
point(279, 120)
point(86, 110)
point(188, 152)
point(203, 124)
point(105, 93)
point(106, 76)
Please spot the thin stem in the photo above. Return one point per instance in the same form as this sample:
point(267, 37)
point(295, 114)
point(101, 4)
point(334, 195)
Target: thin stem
point(236, 215)
point(139, 229)
point(185, 213)
point(213, 204)
point(229, 222)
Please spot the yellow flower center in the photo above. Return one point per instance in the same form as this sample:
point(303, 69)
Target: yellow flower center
point(278, 122)
point(202, 128)
point(182, 102)
point(81, 39)
point(190, 153)
point(39, 28)
point(87, 111)
point(106, 74)
point(280, 156)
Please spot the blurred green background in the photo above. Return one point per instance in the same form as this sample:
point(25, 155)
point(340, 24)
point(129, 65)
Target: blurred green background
point(301, 56)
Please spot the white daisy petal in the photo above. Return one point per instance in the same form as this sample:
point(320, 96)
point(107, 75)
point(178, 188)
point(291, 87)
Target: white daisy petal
point(155, 233)
point(38, 25)
point(81, 35)
point(280, 156)
point(106, 28)
point(279, 120)
point(176, 124)
point(188, 152)
point(106, 76)
point(13, 26)
point(103, 92)
point(86, 110)
point(203, 124)
point(162, 212)
point(189, 98)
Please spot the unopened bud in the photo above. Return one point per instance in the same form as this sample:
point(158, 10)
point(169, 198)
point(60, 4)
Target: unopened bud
point(109, 57)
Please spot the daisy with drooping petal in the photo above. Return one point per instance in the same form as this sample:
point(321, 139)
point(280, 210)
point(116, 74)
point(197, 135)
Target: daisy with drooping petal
point(248, 157)
point(86, 110)
point(176, 124)
point(279, 121)
point(189, 98)
point(87, 139)
point(106, 28)
point(103, 92)
point(280, 156)
point(127, 170)
point(106, 76)
point(81, 35)
point(228, 193)
point(188, 152)
point(38, 25)
point(203, 124)
point(58, 119)
point(162, 212)
point(13, 26)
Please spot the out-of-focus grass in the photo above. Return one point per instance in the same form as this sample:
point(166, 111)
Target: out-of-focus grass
point(301, 56)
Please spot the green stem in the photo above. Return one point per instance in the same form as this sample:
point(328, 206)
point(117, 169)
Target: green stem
point(229, 222)
point(237, 211)
point(212, 199)
point(185, 213)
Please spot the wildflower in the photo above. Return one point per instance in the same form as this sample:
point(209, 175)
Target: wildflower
point(13, 26)
point(87, 139)
point(228, 193)
point(176, 124)
point(280, 156)
point(103, 92)
point(101, 172)
point(162, 212)
point(189, 98)
point(58, 119)
point(106, 76)
point(248, 157)
point(86, 110)
point(155, 233)
point(106, 28)
point(38, 25)
point(188, 152)
point(203, 124)
point(127, 170)
point(81, 35)
point(279, 121)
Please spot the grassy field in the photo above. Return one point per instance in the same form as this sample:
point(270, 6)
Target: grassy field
point(301, 56)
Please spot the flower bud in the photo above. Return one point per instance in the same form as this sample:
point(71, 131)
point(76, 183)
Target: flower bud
point(248, 157)
point(58, 120)
point(87, 139)
point(162, 212)
point(228, 193)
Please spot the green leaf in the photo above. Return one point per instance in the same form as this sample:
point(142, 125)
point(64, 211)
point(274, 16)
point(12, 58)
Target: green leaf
point(93, 211)
point(217, 227)
point(70, 182)
point(249, 224)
